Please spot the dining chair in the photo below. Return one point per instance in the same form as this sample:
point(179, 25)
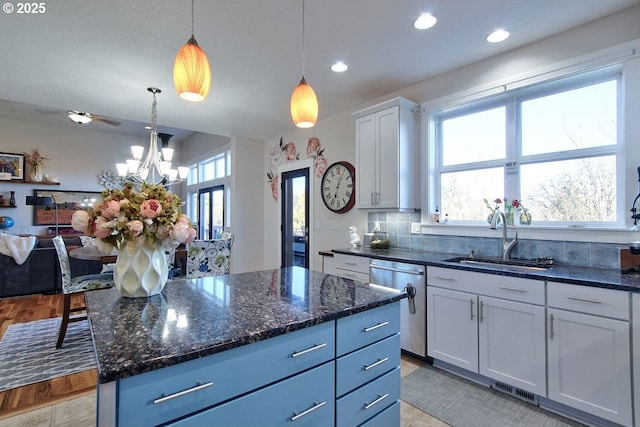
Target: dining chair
point(210, 257)
point(74, 285)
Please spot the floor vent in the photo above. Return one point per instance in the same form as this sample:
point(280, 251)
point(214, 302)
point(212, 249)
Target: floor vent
point(516, 392)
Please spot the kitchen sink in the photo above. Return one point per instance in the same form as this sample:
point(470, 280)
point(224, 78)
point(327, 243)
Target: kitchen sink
point(540, 264)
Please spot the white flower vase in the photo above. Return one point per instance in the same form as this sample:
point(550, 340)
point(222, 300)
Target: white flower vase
point(35, 172)
point(141, 268)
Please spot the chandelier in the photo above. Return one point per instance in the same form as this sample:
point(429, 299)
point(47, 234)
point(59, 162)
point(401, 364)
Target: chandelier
point(156, 166)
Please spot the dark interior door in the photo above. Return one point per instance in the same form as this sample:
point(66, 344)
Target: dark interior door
point(295, 218)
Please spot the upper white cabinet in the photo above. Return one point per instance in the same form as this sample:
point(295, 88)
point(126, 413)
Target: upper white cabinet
point(387, 156)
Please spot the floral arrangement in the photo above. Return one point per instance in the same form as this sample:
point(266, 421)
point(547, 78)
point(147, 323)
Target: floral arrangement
point(35, 158)
point(495, 208)
point(128, 213)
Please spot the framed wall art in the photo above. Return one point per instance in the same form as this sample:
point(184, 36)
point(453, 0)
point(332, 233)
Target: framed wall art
point(67, 202)
point(11, 166)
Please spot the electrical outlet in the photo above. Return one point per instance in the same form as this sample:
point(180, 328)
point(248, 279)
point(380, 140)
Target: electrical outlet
point(415, 228)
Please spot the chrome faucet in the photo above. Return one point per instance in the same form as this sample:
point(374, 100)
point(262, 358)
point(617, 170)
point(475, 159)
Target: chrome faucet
point(507, 247)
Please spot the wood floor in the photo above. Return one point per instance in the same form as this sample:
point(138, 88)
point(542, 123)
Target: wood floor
point(28, 309)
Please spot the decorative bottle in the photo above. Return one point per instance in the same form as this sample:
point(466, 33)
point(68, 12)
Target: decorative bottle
point(12, 199)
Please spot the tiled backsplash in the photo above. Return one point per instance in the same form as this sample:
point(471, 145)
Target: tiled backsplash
point(398, 227)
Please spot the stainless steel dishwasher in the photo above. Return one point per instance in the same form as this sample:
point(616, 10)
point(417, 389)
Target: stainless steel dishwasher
point(413, 313)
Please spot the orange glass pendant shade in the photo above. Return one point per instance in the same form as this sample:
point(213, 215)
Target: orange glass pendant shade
point(191, 72)
point(304, 105)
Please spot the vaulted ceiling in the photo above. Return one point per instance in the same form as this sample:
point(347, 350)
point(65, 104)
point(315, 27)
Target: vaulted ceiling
point(100, 56)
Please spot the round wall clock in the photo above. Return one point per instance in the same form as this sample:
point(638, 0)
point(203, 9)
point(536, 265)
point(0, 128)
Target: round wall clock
point(338, 187)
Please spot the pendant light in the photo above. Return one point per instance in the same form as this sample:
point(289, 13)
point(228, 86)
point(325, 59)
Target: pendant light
point(304, 104)
point(191, 72)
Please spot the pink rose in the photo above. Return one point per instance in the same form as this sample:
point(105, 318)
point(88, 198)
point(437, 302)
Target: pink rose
point(150, 208)
point(101, 228)
point(290, 152)
point(192, 235)
point(80, 221)
point(110, 209)
point(313, 147)
point(184, 218)
point(274, 188)
point(320, 164)
point(135, 227)
point(180, 232)
point(163, 232)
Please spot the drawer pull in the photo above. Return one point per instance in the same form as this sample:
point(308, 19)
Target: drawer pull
point(182, 393)
point(511, 288)
point(309, 350)
point(594, 301)
point(373, 365)
point(374, 327)
point(308, 411)
point(443, 278)
point(349, 262)
point(375, 402)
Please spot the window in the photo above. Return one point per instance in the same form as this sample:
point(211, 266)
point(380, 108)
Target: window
point(208, 189)
point(554, 147)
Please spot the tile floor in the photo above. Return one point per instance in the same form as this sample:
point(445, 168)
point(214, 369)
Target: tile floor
point(80, 412)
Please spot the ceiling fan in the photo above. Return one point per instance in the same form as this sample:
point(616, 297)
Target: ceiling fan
point(81, 118)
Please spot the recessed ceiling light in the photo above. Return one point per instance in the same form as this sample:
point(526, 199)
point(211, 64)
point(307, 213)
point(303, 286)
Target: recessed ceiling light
point(339, 67)
point(498, 36)
point(426, 20)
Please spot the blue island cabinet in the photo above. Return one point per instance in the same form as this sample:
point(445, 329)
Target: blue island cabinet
point(342, 373)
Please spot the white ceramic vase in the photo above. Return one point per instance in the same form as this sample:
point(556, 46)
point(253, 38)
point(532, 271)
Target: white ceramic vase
point(36, 172)
point(141, 268)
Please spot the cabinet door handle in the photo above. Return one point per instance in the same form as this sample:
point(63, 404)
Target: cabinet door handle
point(349, 262)
point(182, 393)
point(481, 311)
point(375, 402)
point(373, 365)
point(372, 200)
point(308, 411)
point(397, 270)
point(444, 278)
point(593, 301)
point(471, 305)
point(374, 327)
point(308, 350)
point(511, 288)
point(551, 334)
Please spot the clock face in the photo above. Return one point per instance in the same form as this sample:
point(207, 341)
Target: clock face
point(338, 187)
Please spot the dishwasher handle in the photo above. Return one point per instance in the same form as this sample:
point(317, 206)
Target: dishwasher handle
point(398, 270)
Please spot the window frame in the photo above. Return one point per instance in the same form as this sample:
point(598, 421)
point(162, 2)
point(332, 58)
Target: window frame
point(511, 100)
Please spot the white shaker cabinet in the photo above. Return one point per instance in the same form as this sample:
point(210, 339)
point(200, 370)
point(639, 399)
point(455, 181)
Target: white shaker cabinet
point(387, 156)
point(488, 324)
point(589, 350)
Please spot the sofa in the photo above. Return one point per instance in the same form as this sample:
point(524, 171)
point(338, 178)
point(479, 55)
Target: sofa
point(40, 273)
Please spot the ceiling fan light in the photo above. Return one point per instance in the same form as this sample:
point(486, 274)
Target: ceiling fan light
point(79, 117)
point(304, 105)
point(191, 72)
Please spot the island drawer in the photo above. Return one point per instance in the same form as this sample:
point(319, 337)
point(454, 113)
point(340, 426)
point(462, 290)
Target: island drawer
point(366, 364)
point(369, 400)
point(589, 300)
point(390, 417)
point(168, 393)
point(367, 327)
point(289, 402)
point(493, 285)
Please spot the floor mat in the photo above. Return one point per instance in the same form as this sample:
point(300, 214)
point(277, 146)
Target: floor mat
point(28, 352)
point(462, 403)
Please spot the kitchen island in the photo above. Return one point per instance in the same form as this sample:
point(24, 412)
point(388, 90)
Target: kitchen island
point(261, 348)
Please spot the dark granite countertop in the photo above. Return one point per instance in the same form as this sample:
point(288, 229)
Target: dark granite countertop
point(598, 277)
point(194, 318)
